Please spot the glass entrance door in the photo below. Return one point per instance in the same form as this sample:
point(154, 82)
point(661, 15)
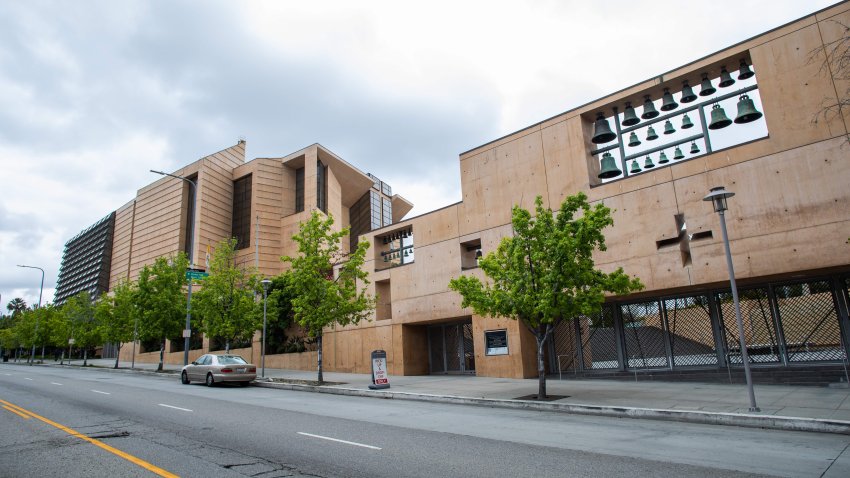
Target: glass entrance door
point(451, 348)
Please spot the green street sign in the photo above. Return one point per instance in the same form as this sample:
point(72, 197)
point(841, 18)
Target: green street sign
point(196, 275)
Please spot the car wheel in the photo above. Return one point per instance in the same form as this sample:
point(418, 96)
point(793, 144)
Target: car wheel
point(210, 380)
point(184, 379)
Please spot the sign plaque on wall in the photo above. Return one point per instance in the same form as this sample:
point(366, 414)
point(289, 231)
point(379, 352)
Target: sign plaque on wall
point(496, 342)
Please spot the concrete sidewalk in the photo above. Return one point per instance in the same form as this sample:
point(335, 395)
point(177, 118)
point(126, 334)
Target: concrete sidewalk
point(823, 409)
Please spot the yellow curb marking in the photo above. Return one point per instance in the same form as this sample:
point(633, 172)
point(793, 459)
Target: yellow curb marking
point(98, 443)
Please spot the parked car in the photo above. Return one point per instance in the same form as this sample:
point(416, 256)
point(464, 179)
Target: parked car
point(213, 369)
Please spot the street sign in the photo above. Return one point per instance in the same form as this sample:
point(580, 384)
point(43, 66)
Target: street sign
point(196, 275)
point(380, 376)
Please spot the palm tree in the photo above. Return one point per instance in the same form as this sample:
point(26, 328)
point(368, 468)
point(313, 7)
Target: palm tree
point(16, 306)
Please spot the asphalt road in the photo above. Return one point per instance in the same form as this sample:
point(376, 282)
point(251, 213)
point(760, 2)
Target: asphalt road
point(226, 431)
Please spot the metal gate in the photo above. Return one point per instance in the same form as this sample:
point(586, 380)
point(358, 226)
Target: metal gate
point(451, 348)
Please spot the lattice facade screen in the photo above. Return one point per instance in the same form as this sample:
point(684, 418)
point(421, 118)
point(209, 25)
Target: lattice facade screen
point(689, 331)
point(785, 323)
point(644, 334)
point(809, 318)
point(759, 326)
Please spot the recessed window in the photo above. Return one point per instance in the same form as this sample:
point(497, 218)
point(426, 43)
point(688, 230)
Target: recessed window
point(470, 252)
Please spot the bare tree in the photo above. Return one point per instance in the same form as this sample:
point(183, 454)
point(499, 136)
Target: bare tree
point(834, 59)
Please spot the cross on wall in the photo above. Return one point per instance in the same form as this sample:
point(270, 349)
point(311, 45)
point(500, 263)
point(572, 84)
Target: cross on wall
point(682, 239)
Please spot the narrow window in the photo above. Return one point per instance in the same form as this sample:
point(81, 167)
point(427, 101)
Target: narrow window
point(241, 226)
point(299, 190)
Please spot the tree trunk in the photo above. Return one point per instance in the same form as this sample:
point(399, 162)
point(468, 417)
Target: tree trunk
point(541, 369)
point(85, 356)
point(319, 355)
point(227, 346)
point(161, 354)
point(117, 355)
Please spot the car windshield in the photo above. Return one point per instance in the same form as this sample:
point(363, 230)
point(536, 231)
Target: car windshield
point(231, 360)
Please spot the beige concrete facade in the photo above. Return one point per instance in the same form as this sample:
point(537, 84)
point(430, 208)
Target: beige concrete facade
point(789, 218)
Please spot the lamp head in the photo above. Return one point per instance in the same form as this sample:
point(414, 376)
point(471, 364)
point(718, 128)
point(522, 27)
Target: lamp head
point(266, 283)
point(718, 196)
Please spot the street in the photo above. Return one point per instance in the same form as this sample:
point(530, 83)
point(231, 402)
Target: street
point(143, 425)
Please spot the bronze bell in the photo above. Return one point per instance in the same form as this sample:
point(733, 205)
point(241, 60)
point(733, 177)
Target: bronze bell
point(744, 71)
point(705, 88)
point(667, 101)
point(635, 167)
point(633, 140)
point(725, 78)
point(609, 167)
point(694, 147)
point(686, 122)
point(718, 118)
point(663, 158)
point(649, 110)
point(688, 94)
point(602, 131)
point(747, 111)
point(630, 118)
point(651, 134)
point(648, 163)
point(668, 127)
point(678, 154)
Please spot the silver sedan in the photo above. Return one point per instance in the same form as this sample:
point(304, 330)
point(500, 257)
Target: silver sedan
point(213, 369)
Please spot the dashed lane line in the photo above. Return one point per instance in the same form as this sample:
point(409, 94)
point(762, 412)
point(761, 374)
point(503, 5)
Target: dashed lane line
point(172, 406)
point(55, 383)
point(138, 461)
point(103, 393)
point(340, 441)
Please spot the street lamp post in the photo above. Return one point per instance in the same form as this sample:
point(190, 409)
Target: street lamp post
point(266, 283)
point(187, 332)
point(717, 196)
point(37, 317)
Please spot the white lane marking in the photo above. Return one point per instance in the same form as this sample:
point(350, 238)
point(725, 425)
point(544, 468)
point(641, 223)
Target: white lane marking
point(7, 374)
point(55, 383)
point(27, 378)
point(340, 441)
point(172, 406)
point(98, 391)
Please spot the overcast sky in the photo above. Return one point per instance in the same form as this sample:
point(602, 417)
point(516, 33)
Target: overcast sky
point(93, 94)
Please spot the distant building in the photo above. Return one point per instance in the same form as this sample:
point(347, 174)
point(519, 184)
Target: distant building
point(86, 262)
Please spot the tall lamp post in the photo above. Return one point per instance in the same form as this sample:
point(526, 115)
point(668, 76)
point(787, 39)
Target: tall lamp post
point(266, 283)
point(187, 333)
point(37, 317)
point(717, 196)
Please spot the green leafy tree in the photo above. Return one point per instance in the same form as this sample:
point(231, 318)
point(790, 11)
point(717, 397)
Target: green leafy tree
point(226, 303)
point(327, 287)
point(80, 313)
point(279, 313)
point(45, 319)
point(545, 272)
point(116, 315)
point(160, 300)
point(32, 328)
point(25, 330)
point(59, 330)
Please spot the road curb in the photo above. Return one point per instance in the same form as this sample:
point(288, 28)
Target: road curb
point(773, 422)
